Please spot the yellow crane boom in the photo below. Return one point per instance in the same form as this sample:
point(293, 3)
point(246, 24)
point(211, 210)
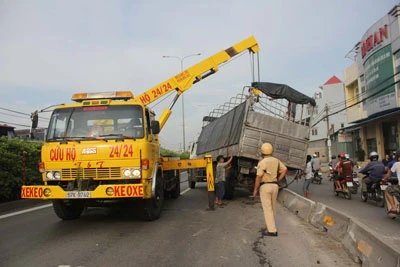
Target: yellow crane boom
point(185, 79)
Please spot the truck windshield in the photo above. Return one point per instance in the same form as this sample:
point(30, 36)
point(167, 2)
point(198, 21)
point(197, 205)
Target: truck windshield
point(93, 122)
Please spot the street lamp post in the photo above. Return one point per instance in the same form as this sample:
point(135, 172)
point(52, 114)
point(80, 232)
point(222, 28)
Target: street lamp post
point(181, 59)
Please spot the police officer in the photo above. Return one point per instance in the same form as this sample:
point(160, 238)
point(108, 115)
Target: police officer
point(267, 182)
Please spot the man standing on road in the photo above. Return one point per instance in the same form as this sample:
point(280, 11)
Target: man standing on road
point(220, 178)
point(267, 181)
point(308, 178)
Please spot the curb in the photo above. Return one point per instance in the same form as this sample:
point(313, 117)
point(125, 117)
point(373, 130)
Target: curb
point(359, 240)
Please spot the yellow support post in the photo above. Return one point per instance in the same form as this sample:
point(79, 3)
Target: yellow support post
point(210, 181)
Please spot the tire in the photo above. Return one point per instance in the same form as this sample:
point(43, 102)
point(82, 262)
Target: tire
point(319, 181)
point(381, 201)
point(385, 205)
point(347, 193)
point(229, 189)
point(152, 207)
point(354, 190)
point(364, 197)
point(176, 192)
point(68, 209)
point(334, 190)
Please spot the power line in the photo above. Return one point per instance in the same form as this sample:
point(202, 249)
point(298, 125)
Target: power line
point(15, 111)
point(358, 102)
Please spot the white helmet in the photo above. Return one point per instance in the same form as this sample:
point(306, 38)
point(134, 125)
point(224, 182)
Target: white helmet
point(373, 154)
point(346, 156)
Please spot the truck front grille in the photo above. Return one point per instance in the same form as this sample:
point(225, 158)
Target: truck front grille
point(92, 173)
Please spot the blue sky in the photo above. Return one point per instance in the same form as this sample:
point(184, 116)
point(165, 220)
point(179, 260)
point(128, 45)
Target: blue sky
point(52, 49)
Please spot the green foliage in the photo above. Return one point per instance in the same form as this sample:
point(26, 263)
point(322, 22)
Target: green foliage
point(11, 166)
point(169, 153)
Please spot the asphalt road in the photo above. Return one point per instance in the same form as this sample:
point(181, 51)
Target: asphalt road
point(187, 234)
point(366, 212)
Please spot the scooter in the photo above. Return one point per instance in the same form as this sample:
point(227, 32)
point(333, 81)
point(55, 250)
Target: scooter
point(317, 177)
point(396, 198)
point(346, 184)
point(374, 192)
point(331, 175)
point(356, 183)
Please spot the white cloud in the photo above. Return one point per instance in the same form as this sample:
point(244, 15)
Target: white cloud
point(51, 49)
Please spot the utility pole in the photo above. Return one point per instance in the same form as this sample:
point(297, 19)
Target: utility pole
point(328, 135)
point(181, 59)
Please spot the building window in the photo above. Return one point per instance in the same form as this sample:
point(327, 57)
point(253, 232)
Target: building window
point(314, 131)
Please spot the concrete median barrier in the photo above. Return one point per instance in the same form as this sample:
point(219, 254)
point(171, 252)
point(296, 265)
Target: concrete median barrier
point(366, 245)
point(331, 220)
point(299, 205)
point(361, 242)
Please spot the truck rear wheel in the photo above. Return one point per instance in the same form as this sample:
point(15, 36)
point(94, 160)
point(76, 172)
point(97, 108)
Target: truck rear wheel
point(68, 209)
point(191, 178)
point(229, 189)
point(152, 207)
point(176, 192)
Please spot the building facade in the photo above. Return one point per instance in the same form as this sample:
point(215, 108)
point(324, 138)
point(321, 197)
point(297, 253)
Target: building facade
point(330, 99)
point(372, 88)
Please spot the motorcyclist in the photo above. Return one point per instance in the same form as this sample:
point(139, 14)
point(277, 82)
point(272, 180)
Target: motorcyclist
point(332, 165)
point(345, 168)
point(375, 170)
point(394, 188)
point(316, 164)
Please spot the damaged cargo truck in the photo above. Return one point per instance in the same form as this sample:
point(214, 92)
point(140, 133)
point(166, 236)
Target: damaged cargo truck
point(264, 112)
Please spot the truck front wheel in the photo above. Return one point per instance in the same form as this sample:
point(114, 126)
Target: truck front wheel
point(68, 209)
point(153, 206)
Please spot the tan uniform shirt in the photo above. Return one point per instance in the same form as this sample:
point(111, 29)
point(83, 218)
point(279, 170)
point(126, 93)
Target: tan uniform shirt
point(268, 167)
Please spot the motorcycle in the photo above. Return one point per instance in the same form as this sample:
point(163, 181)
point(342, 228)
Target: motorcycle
point(374, 192)
point(346, 184)
point(331, 175)
point(317, 177)
point(356, 183)
point(396, 199)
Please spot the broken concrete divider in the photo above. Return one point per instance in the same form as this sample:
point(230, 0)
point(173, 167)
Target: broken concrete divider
point(366, 245)
point(299, 205)
point(360, 241)
point(331, 220)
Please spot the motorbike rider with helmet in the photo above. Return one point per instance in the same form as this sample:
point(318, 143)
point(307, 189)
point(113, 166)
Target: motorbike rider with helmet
point(345, 168)
point(315, 164)
point(394, 188)
point(375, 171)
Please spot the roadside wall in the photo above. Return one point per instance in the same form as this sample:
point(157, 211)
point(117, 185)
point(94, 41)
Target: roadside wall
point(361, 242)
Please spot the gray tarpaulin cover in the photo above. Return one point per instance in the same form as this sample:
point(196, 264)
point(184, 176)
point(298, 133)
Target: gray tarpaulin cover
point(276, 90)
point(222, 132)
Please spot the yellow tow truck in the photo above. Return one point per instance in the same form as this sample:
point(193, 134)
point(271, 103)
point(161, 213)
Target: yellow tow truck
point(105, 146)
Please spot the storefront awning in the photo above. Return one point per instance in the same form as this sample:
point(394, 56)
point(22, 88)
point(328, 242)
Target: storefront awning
point(375, 117)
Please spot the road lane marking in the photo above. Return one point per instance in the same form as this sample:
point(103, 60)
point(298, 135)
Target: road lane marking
point(46, 206)
point(185, 191)
point(24, 211)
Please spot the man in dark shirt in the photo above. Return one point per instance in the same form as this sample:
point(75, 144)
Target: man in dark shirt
point(386, 160)
point(374, 169)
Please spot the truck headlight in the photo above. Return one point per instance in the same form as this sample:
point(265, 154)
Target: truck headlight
point(131, 173)
point(53, 175)
point(57, 175)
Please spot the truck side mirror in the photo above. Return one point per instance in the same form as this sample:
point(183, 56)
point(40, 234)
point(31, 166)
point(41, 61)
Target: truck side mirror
point(155, 127)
